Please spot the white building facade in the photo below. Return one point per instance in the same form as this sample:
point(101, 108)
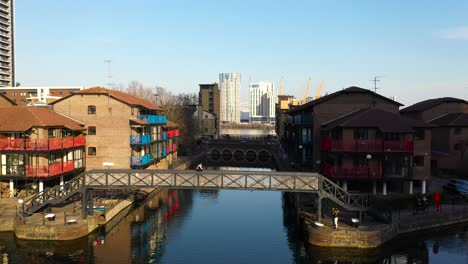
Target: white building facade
point(262, 102)
point(229, 85)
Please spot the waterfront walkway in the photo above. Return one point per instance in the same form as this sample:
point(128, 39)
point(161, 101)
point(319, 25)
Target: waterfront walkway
point(371, 233)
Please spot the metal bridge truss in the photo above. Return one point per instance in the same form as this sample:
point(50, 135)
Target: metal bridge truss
point(189, 179)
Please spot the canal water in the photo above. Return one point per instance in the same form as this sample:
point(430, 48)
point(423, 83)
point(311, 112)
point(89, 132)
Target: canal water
point(188, 226)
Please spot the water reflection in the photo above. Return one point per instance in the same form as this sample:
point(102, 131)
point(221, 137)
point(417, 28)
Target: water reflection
point(208, 226)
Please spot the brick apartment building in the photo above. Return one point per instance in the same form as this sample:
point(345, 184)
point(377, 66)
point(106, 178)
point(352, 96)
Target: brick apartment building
point(450, 134)
point(358, 137)
point(38, 146)
point(123, 131)
point(209, 110)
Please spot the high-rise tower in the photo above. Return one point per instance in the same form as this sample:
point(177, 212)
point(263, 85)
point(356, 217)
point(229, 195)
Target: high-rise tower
point(263, 99)
point(7, 43)
point(229, 84)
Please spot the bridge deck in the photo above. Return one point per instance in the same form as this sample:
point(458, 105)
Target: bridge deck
point(247, 180)
point(189, 179)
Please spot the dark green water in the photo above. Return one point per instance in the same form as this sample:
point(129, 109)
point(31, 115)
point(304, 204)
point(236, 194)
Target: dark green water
point(223, 227)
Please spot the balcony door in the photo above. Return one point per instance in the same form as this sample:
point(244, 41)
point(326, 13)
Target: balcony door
point(397, 166)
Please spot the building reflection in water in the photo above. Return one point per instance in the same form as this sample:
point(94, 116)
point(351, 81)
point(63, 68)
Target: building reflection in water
point(142, 236)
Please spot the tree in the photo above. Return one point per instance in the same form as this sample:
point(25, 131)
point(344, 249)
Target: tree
point(175, 106)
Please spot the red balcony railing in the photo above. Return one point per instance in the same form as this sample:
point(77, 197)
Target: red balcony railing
point(351, 172)
point(366, 146)
point(174, 147)
point(172, 133)
point(49, 170)
point(398, 146)
point(41, 144)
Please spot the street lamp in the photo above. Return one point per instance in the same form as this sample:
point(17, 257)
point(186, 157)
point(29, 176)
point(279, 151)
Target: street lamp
point(368, 157)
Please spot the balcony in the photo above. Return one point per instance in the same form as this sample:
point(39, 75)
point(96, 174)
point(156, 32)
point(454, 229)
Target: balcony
point(140, 160)
point(398, 146)
point(366, 146)
point(351, 172)
point(21, 144)
point(164, 135)
point(140, 139)
point(172, 133)
point(153, 119)
point(49, 170)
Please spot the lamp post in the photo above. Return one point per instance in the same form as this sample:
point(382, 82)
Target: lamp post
point(368, 157)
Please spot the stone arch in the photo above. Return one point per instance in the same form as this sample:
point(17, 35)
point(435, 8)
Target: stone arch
point(251, 155)
point(239, 155)
point(215, 154)
point(226, 155)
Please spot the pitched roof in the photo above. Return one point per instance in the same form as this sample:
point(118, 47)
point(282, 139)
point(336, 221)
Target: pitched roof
point(8, 99)
point(451, 120)
point(349, 90)
point(118, 95)
point(138, 121)
point(169, 123)
point(428, 104)
point(22, 118)
point(376, 118)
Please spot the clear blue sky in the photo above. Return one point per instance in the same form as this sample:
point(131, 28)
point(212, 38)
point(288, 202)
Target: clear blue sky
point(421, 49)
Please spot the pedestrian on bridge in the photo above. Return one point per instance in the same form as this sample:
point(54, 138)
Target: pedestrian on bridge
point(200, 167)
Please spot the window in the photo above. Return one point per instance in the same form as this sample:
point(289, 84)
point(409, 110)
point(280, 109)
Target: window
point(91, 109)
point(54, 158)
point(92, 151)
point(78, 156)
point(12, 164)
point(420, 134)
point(337, 133)
point(360, 133)
point(418, 161)
point(457, 130)
point(92, 130)
point(52, 133)
point(393, 136)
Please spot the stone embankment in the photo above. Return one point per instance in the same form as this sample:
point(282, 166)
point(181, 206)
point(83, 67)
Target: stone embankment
point(373, 234)
point(67, 223)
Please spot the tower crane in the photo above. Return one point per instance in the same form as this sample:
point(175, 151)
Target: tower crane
point(318, 91)
point(281, 86)
point(306, 92)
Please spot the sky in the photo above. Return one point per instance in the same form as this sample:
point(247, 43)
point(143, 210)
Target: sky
point(419, 49)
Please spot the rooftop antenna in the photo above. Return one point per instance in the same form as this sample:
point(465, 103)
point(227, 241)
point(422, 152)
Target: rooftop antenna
point(375, 80)
point(109, 73)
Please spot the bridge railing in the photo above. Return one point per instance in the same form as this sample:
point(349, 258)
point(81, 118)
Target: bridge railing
point(350, 201)
point(189, 179)
point(54, 194)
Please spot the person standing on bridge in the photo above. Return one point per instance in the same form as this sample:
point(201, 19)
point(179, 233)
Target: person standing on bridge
point(200, 167)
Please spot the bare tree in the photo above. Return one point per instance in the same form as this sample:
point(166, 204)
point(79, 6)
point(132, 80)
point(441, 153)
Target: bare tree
point(178, 108)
